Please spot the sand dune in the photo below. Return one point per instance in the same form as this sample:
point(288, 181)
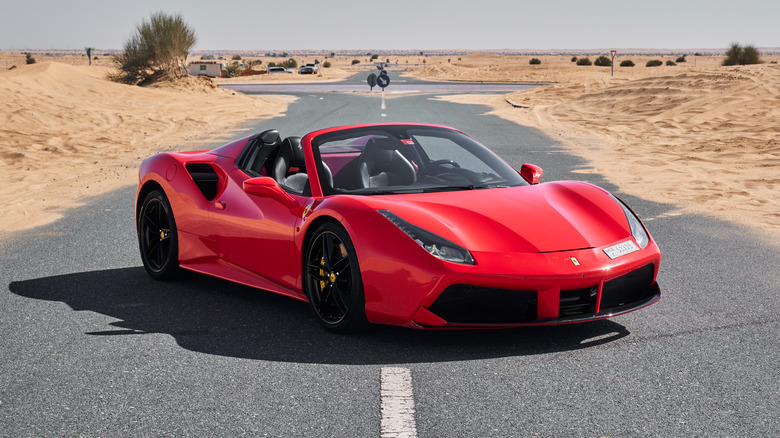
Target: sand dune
point(66, 133)
point(704, 137)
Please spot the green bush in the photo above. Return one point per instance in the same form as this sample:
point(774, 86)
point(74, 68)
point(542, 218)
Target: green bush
point(603, 61)
point(291, 63)
point(654, 63)
point(326, 64)
point(738, 55)
point(573, 59)
point(355, 61)
point(627, 63)
point(535, 61)
point(584, 61)
point(236, 58)
point(29, 59)
point(233, 70)
point(681, 59)
point(157, 49)
point(670, 63)
point(375, 56)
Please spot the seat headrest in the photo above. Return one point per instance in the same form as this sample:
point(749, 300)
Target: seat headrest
point(270, 136)
point(385, 143)
point(291, 146)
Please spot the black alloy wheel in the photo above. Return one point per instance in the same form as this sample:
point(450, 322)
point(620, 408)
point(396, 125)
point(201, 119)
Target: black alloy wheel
point(332, 280)
point(157, 237)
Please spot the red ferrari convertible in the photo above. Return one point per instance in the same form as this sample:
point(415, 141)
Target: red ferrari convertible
point(404, 224)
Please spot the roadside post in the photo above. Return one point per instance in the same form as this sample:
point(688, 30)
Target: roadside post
point(613, 52)
point(371, 81)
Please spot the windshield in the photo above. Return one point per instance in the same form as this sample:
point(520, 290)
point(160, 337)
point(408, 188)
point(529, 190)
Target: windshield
point(407, 159)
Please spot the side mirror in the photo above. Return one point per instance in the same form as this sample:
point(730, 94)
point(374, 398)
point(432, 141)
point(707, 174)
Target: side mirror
point(267, 187)
point(531, 173)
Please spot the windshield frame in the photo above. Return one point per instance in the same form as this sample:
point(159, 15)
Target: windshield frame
point(449, 178)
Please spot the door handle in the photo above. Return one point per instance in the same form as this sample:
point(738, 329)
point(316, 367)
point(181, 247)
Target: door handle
point(219, 205)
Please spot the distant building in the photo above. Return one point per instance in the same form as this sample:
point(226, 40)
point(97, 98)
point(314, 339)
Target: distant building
point(212, 69)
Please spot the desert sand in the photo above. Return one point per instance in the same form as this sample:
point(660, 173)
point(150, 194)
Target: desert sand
point(68, 133)
point(697, 135)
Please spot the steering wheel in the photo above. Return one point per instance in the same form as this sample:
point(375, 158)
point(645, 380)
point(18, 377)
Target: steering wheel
point(438, 166)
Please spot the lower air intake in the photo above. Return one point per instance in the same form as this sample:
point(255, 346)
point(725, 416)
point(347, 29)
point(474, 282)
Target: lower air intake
point(462, 303)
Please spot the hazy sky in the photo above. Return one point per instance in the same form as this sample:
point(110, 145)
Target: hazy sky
point(400, 24)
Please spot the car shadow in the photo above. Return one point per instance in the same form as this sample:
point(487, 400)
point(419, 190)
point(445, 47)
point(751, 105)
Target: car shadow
point(213, 316)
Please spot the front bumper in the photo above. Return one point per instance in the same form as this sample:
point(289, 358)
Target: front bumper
point(510, 290)
point(464, 305)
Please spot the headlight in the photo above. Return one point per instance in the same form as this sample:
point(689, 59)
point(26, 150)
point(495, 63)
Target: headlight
point(637, 230)
point(436, 245)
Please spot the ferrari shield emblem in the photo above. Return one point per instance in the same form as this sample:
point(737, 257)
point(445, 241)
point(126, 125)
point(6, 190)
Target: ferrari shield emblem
point(574, 261)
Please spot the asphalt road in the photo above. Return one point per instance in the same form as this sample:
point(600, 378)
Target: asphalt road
point(91, 346)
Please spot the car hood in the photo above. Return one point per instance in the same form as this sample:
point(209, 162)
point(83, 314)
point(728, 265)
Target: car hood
point(554, 216)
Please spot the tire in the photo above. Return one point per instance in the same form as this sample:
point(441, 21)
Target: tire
point(158, 239)
point(332, 280)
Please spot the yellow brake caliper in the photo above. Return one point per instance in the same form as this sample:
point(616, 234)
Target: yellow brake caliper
point(322, 274)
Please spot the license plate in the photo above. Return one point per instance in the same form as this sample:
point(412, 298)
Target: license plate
point(621, 249)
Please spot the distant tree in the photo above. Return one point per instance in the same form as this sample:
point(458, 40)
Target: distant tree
point(681, 59)
point(29, 59)
point(654, 63)
point(374, 56)
point(332, 54)
point(157, 49)
point(291, 63)
point(89, 51)
point(627, 63)
point(535, 61)
point(670, 63)
point(355, 61)
point(603, 61)
point(326, 64)
point(739, 55)
point(573, 59)
point(236, 58)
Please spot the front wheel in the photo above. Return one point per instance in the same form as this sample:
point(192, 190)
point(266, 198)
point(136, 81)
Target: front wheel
point(157, 237)
point(332, 280)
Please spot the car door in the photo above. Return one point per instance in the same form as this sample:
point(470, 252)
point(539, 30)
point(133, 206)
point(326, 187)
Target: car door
point(256, 232)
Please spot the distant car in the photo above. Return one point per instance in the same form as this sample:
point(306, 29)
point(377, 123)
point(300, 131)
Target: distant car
point(308, 69)
point(278, 70)
point(405, 224)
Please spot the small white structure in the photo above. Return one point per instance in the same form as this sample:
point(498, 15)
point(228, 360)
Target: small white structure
point(212, 69)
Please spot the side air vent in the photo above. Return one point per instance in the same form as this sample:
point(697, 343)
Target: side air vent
point(205, 178)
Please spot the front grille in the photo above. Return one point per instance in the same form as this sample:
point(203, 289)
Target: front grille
point(577, 302)
point(463, 303)
point(632, 287)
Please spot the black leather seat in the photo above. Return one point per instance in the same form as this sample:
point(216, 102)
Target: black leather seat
point(259, 153)
point(289, 169)
point(382, 164)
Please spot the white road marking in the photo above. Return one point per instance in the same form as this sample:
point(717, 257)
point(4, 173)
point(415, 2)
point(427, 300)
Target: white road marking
point(397, 403)
point(384, 115)
point(383, 102)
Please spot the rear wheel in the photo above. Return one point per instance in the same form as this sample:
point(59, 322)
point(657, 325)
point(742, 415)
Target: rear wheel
point(157, 237)
point(332, 280)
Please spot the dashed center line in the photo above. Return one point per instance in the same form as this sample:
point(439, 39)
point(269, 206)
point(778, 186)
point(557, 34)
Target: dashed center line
point(397, 403)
